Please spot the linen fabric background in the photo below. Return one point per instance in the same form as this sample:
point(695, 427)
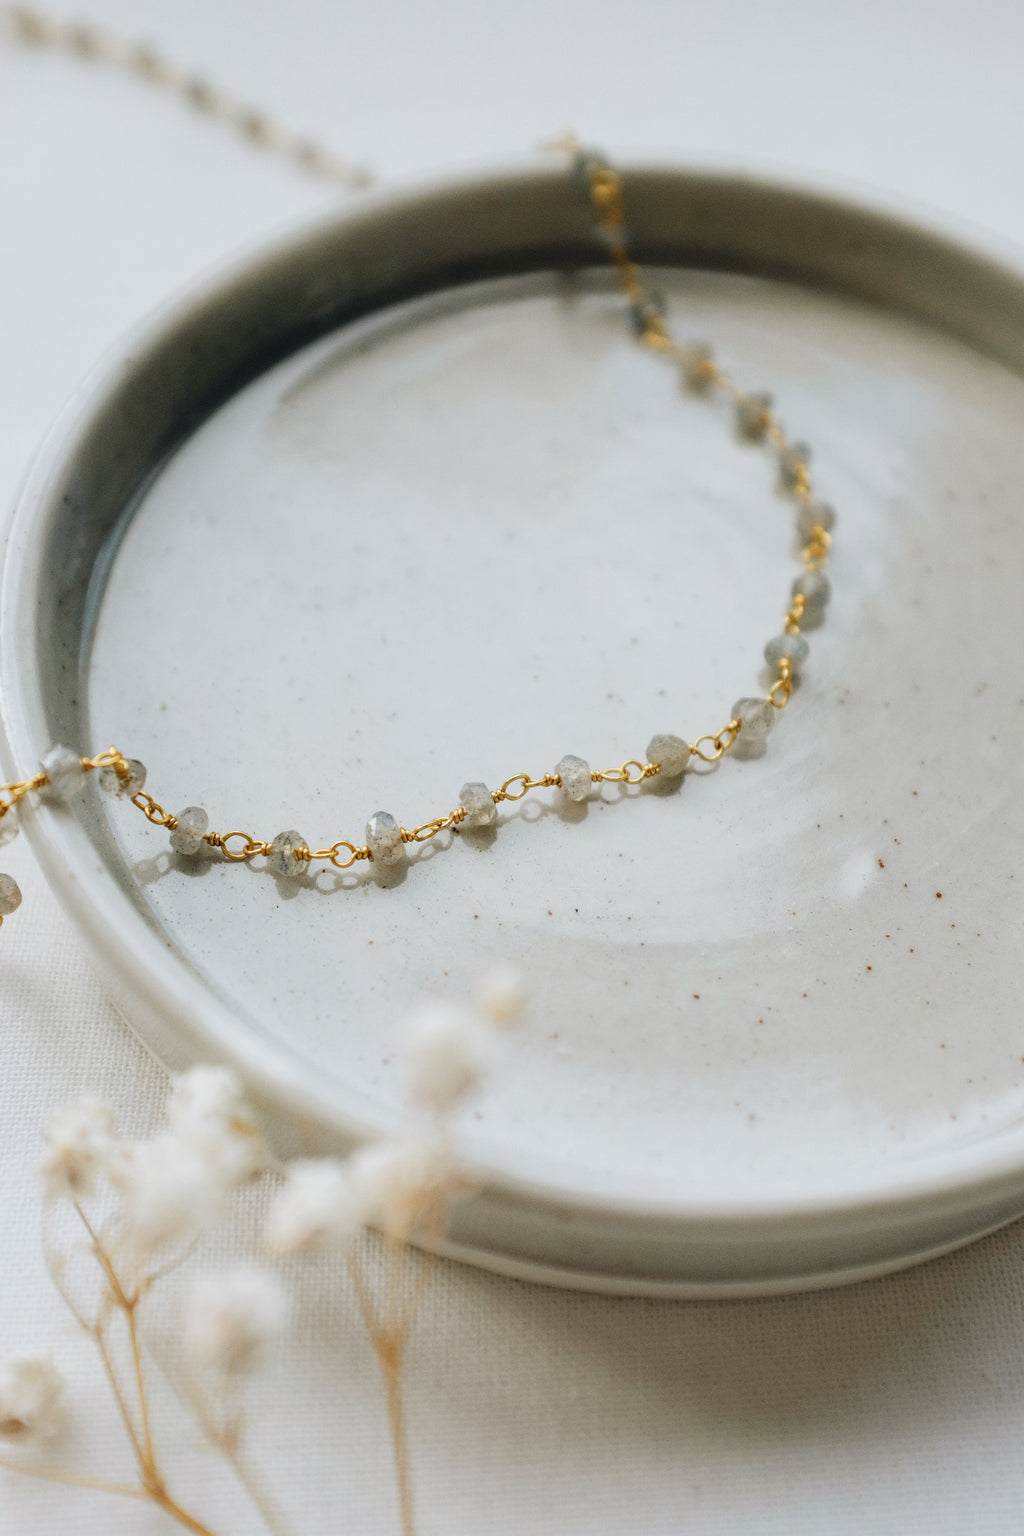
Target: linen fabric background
point(896, 1406)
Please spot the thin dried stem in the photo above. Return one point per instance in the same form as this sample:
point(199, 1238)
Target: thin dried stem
point(427, 1259)
point(153, 1486)
point(395, 1255)
point(140, 1387)
point(389, 1341)
point(143, 1445)
point(227, 1440)
point(103, 1259)
point(72, 1480)
point(173, 1263)
point(120, 1400)
point(162, 1499)
point(426, 1265)
point(400, 1443)
point(50, 1256)
point(366, 1308)
point(270, 1511)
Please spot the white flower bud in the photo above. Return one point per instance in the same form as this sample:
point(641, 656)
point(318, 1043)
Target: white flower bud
point(315, 1208)
point(80, 1142)
point(400, 1185)
point(229, 1317)
point(31, 1391)
point(210, 1115)
point(446, 1054)
point(169, 1194)
point(502, 994)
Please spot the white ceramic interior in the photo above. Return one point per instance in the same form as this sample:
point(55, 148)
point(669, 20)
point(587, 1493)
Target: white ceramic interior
point(400, 503)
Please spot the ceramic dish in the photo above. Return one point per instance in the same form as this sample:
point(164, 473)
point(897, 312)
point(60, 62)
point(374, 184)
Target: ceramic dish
point(397, 503)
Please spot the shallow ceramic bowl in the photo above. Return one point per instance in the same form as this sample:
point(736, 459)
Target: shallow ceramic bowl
point(397, 503)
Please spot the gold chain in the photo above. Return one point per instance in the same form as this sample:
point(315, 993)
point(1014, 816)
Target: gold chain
point(94, 44)
point(605, 188)
point(344, 854)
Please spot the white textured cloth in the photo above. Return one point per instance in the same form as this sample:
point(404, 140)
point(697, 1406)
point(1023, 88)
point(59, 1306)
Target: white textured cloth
point(891, 1407)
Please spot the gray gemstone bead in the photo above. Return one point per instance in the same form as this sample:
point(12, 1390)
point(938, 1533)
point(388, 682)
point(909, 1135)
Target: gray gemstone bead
point(793, 647)
point(756, 717)
point(585, 162)
point(64, 769)
point(612, 235)
point(480, 809)
point(816, 590)
point(753, 416)
point(10, 896)
point(697, 366)
point(814, 514)
point(187, 836)
point(647, 311)
point(281, 859)
point(672, 752)
point(575, 778)
point(112, 783)
point(8, 826)
point(793, 462)
point(384, 839)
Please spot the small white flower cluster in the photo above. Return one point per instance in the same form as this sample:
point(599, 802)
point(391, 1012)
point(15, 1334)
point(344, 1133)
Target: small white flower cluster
point(168, 1190)
point(393, 1185)
point(404, 1184)
point(173, 1186)
point(31, 1392)
point(231, 1316)
point(81, 1142)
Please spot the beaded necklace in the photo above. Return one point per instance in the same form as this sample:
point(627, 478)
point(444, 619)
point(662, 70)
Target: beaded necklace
point(63, 771)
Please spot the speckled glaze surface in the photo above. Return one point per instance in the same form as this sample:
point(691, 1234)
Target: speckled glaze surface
point(398, 504)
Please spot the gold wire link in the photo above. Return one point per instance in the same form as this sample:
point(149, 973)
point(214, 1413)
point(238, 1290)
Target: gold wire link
point(332, 854)
point(631, 772)
point(253, 846)
point(815, 552)
point(720, 743)
point(40, 30)
point(606, 192)
point(781, 691)
point(154, 812)
point(10, 794)
point(112, 757)
point(525, 783)
point(791, 623)
point(428, 829)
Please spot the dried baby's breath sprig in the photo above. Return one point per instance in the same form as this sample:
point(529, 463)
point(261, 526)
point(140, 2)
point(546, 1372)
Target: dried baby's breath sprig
point(403, 1186)
point(144, 1205)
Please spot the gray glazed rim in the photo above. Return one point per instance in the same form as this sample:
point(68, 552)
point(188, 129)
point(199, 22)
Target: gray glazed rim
point(176, 368)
